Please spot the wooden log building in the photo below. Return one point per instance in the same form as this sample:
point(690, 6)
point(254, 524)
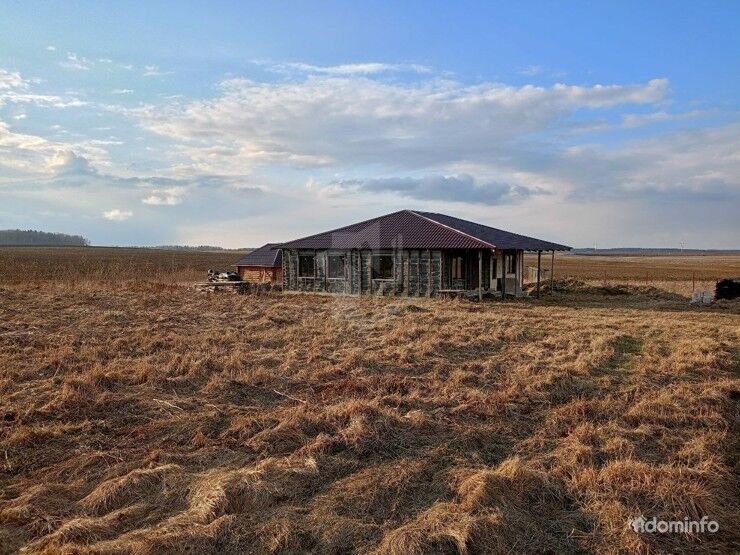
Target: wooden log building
point(411, 253)
point(263, 265)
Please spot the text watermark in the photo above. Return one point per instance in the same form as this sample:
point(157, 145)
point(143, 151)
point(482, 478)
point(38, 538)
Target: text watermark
point(685, 526)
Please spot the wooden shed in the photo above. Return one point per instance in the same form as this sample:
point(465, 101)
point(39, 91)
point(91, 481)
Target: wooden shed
point(410, 253)
point(263, 265)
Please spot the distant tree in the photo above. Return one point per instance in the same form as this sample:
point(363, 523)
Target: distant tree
point(29, 237)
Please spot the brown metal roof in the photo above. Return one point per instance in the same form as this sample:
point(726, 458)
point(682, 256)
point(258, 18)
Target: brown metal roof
point(498, 237)
point(408, 229)
point(268, 255)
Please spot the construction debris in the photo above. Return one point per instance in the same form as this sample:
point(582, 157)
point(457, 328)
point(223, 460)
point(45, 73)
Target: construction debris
point(701, 298)
point(241, 287)
point(728, 288)
point(217, 276)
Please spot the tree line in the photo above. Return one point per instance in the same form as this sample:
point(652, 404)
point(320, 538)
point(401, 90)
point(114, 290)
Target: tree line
point(26, 237)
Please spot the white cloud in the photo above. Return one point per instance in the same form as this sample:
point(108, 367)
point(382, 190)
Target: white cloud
point(33, 155)
point(369, 68)
point(450, 188)
point(51, 48)
point(530, 70)
point(373, 143)
point(689, 164)
point(346, 121)
point(17, 90)
point(30, 154)
point(117, 215)
point(74, 61)
point(154, 71)
point(67, 162)
point(483, 144)
point(169, 196)
point(638, 120)
point(10, 80)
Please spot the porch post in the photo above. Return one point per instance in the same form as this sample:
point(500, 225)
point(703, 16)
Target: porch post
point(518, 273)
point(480, 275)
point(552, 270)
point(503, 277)
point(491, 277)
point(539, 271)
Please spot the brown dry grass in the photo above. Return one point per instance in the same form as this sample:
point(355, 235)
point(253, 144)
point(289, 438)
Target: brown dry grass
point(23, 264)
point(642, 269)
point(144, 418)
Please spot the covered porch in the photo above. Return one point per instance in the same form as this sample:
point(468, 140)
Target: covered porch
point(499, 272)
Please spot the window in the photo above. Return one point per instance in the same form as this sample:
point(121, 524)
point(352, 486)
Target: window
point(382, 267)
point(457, 268)
point(336, 267)
point(510, 264)
point(306, 265)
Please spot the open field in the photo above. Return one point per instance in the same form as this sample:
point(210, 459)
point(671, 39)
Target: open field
point(22, 264)
point(641, 269)
point(147, 418)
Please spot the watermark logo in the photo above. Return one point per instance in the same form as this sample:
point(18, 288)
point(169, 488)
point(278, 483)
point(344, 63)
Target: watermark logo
point(685, 526)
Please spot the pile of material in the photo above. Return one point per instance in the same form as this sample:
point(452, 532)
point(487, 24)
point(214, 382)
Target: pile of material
point(702, 297)
point(216, 276)
point(728, 288)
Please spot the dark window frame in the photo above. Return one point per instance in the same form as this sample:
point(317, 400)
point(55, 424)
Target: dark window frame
point(510, 263)
point(388, 270)
point(457, 266)
point(301, 258)
point(342, 266)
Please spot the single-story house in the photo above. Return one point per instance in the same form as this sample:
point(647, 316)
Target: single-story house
point(263, 265)
point(410, 253)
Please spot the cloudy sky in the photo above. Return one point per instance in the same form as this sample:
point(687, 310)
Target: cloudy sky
point(234, 124)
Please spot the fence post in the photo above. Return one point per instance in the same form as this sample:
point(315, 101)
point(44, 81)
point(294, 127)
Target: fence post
point(552, 272)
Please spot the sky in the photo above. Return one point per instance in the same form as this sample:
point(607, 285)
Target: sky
point(234, 124)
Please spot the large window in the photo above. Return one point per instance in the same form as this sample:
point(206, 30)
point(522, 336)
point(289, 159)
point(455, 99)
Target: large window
point(336, 267)
point(306, 265)
point(458, 269)
point(510, 264)
point(382, 267)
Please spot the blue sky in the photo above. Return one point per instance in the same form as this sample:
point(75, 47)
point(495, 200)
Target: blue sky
point(608, 123)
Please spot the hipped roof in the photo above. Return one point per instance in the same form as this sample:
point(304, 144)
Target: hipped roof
point(408, 229)
point(268, 255)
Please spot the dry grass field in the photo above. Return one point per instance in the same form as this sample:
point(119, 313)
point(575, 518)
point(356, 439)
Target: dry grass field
point(147, 418)
point(71, 264)
point(642, 269)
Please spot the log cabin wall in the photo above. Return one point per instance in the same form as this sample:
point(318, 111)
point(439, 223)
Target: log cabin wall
point(416, 272)
point(260, 274)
